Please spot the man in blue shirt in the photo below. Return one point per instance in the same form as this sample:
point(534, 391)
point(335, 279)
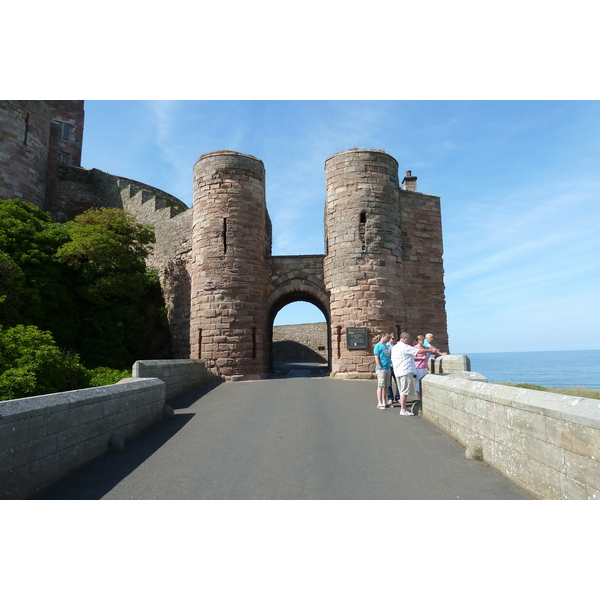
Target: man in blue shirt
point(382, 354)
point(433, 351)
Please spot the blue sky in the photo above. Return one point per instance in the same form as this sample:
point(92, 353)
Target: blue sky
point(519, 181)
point(519, 185)
point(493, 107)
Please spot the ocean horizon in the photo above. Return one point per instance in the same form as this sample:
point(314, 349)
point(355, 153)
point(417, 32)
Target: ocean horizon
point(551, 368)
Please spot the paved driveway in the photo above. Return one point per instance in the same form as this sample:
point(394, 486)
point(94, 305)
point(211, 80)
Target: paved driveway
point(300, 437)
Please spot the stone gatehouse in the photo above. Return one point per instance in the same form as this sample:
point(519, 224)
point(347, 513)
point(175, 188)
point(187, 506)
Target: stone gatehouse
point(382, 268)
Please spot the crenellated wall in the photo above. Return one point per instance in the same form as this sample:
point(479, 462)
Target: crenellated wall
point(382, 269)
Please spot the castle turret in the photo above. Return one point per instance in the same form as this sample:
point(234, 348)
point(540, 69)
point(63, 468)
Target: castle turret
point(230, 277)
point(363, 264)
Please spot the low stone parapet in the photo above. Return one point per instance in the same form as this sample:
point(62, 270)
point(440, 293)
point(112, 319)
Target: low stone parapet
point(450, 363)
point(547, 443)
point(179, 375)
point(43, 438)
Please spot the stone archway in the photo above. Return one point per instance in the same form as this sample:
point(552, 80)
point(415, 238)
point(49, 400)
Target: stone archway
point(295, 291)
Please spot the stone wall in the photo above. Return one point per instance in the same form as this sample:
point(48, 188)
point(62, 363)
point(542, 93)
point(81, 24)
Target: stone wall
point(35, 137)
point(547, 443)
point(24, 137)
point(306, 342)
point(43, 438)
point(423, 268)
point(179, 375)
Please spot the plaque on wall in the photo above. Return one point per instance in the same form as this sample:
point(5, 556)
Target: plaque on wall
point(356, 338)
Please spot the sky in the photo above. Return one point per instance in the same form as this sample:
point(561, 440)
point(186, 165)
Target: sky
point(492, 107)
point(519, 184)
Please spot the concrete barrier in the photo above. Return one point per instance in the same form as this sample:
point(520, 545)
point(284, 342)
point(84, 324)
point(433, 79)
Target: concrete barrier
point(179, 375)
point(547, 443)
point(43, 438)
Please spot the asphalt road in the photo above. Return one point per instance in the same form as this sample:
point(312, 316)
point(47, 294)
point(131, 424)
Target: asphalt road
point(295, 437)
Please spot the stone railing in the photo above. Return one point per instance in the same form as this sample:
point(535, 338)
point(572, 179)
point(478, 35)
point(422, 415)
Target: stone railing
point(179, 375)
point(547, 443)
point(43, 438)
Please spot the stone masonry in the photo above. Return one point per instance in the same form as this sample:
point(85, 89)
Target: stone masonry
point(306, 342)
point(382, 268)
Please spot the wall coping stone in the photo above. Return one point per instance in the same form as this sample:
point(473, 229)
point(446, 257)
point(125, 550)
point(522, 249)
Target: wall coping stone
point(23, 408)
point(575, 409)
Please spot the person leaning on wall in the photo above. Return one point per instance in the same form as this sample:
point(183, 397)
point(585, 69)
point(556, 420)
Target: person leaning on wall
point(403, 360)
point(420, 364)
point(431, 349)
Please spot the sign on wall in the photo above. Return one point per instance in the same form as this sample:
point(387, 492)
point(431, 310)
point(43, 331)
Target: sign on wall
point(356, 338)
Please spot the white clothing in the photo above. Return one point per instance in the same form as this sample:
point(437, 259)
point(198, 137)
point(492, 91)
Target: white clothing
point(403, 359)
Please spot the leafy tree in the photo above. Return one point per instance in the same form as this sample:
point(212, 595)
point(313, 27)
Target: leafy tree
point(34, 285)
point(84, 281)
point(119, 296)
point(31, 364)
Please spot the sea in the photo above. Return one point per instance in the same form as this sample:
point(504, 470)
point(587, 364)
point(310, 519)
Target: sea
point(572, 368)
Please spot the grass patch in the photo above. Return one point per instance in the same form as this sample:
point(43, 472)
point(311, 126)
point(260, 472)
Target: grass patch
point(574, 391)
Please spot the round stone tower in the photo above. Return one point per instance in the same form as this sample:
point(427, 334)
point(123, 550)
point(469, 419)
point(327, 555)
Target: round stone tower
point(363, 264)
point(230, 277)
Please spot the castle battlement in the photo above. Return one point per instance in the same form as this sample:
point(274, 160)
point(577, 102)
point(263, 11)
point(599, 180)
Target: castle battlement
point(382, 269)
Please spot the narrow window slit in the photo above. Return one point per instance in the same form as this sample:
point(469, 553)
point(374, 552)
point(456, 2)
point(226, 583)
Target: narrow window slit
point(362, 225)
point(26, 129)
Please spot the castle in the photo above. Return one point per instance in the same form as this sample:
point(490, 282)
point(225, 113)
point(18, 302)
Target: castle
point(382, 268)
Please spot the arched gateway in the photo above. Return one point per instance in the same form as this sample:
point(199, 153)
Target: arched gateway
point(382, 268)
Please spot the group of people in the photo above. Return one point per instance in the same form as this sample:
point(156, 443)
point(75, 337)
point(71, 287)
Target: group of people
point(402, 363)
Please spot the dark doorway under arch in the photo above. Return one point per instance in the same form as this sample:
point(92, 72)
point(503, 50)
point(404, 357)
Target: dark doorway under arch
point(272, 314)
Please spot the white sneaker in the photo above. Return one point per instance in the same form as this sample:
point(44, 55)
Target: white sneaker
point(405, 413)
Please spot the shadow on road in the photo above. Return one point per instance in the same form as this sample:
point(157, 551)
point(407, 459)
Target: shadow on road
point(95, 479)
point(282, 370)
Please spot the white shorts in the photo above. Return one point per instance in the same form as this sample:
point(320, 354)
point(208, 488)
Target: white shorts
point(406, 383)
point(383, 378)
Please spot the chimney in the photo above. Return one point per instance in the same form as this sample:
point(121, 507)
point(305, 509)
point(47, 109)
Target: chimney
point(409, 183)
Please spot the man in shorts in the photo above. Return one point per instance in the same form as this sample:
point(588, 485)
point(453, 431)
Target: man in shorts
point(390, 391)
point(382, 352)
point(403, 360)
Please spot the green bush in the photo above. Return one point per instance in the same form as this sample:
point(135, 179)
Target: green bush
point(84, 281)
point(105, 376)
point(32, 364)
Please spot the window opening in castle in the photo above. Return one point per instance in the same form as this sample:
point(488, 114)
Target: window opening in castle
point(362, 225)
point(224, 236)
point(64, 132)
point(64, 158)
point(339, 340)
point(199, 343)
